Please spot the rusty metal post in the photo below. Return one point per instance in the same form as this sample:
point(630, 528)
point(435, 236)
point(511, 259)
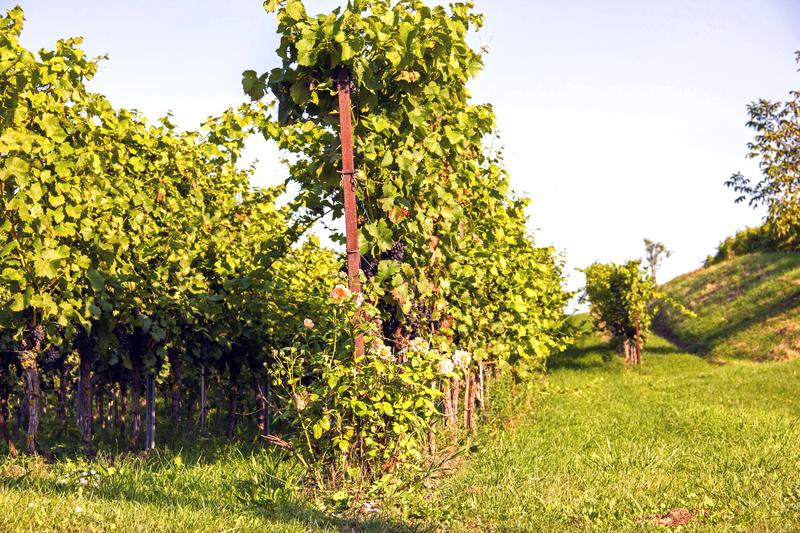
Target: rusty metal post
point(348, 189)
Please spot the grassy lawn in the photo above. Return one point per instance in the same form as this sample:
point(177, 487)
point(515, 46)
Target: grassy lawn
point(208, 486)
point(608, 447)
point(146, 495)
point(603, 448)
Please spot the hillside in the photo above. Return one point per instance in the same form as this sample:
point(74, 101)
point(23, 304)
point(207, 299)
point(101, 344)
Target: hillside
point(747, 308)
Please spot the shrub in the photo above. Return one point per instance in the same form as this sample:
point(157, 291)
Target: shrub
point(759, 239)
point(623, 301)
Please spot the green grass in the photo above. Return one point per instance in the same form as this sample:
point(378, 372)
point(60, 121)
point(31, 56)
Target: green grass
point(747, 308)
point(607, 447)
point(602, 448)
point(214, 487)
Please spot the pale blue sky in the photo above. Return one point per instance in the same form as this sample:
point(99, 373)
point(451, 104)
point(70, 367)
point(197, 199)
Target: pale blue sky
point(621, 119)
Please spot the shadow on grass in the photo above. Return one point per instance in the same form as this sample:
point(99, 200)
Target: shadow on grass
point(185, 439)
point(156, 490)
point(146, 477)
point(288, 508)
point(587, 356)
point(743, 279)
point(664, 350)
point(591, 353)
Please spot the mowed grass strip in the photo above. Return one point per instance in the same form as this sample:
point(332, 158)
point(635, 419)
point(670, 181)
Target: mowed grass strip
point(604, 448)
point(612, 449)
point(160, 493)
point(212, 487)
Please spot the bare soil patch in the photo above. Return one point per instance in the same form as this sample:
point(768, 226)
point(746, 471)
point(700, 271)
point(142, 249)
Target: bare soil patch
point(675, 518)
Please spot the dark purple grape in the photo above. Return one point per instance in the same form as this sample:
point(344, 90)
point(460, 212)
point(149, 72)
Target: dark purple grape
point(36, 336)
point(396, 253)
point(369, 267)
point(390, 324)
point(50, 360)
point(51, 356)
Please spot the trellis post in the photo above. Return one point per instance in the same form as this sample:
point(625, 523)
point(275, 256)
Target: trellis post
point(348, 190)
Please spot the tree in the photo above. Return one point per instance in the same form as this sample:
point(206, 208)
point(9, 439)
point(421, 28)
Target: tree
point(777, 147)
point(655, 253)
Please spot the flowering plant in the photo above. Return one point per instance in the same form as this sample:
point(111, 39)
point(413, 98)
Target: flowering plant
point(81, 477)
point(351, 417)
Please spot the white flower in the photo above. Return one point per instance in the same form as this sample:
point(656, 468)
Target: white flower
point(418, 344)
point(445, 366)
point(301, 400)
point(78, 509)
point(84, 481)
point(462, 358)
point(92, 471)
point(359, 299)
point(308, 323)
point(384, 352)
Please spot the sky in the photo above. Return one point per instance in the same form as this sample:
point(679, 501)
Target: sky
point(621, 119)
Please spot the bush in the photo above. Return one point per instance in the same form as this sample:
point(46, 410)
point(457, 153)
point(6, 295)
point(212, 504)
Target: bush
point(623, 301)
point(760, 239)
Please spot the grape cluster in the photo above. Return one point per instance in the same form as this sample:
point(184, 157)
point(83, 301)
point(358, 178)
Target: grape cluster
point(419, 320)
point(123, 337)
point(424, 313)
point(390, 324)
point(38, 334)
point(35, 336)
point(369, 267)
point(51, 357)
point(396, 253)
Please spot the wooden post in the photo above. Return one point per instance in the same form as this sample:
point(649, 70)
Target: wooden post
point(6, 436)
point(447, 400)
point(348, 190)
point(62, 398)
point(150, 419)
point(455, 390)
point(268, 407)
point(123, 408)
point(176, 385)
point(100, 401)
point(203, 399)
point(638, 342)
point(85, 423)
point(482, 393)
point(233, 400)
point(136, 407)
point(31, 378)
point(467, 406)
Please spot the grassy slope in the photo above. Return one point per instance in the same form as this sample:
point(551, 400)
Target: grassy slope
point(748, 307)
point(609, 445)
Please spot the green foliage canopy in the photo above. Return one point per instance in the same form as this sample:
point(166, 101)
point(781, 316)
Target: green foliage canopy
point(777, 147)
point(426, 183)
